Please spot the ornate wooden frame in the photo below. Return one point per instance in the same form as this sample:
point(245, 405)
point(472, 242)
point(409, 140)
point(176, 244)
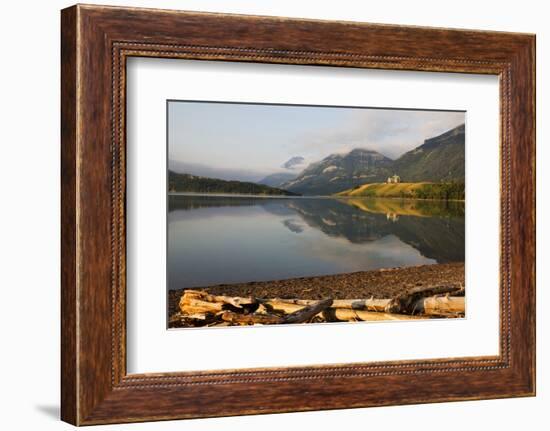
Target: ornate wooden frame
point(95, 42)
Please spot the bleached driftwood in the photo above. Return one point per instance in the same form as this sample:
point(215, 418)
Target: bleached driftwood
point(349, 315)
point(307, 312)
point(199, 308)
point(441, 306)
point(249, 319)
point(407, 302)
point(198, 298)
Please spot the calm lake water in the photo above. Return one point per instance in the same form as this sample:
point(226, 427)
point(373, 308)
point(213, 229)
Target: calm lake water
point(220, 239)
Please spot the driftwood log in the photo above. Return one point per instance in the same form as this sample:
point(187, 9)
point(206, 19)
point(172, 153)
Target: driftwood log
point(408, 302)
point(290, 305)
point(307, 312)
point(197, 301)
point(349, 315)
point(441, 306)
point(199, 308)
point(250, 319)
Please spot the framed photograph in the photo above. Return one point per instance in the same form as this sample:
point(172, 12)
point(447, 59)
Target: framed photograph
point(324, 214)
point(313, 214)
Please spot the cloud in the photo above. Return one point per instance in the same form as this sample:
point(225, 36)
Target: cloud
point(294, 163)
point(388, 131)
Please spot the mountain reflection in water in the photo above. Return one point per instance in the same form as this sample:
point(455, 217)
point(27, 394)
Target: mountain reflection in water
point(229, 239)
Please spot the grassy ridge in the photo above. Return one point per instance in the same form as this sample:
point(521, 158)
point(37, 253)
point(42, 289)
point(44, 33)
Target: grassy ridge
point(422, 190)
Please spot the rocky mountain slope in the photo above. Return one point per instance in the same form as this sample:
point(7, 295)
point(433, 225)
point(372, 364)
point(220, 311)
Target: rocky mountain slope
point(339, 172)
point(439, 159)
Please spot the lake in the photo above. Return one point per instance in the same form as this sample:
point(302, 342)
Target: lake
point(233, 239)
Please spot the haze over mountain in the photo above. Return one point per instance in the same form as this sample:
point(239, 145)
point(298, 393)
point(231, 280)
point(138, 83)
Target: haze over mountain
point(278, 179)
point(204, 170)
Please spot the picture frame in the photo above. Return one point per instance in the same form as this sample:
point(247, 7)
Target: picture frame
point(96, 42)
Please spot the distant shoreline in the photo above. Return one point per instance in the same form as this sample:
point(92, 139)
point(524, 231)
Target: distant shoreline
point(243, 195)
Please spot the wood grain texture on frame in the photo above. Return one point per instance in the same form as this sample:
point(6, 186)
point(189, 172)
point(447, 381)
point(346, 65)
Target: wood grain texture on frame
point(96, 41)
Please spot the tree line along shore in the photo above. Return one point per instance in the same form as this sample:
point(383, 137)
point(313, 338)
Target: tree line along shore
point(185, 183)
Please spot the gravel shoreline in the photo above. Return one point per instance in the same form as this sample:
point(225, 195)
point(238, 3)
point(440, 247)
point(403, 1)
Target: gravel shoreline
point(382, 283)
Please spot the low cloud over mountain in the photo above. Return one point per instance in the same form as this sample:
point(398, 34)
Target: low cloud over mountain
point(296, 162)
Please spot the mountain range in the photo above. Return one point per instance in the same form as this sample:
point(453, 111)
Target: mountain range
point(438, 159)
point(339, 172)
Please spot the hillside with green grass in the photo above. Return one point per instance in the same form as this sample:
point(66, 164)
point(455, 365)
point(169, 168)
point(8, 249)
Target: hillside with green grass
point(421, 190)
point(186, 183)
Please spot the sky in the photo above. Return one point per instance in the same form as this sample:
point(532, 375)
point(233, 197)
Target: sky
point(246, 142)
